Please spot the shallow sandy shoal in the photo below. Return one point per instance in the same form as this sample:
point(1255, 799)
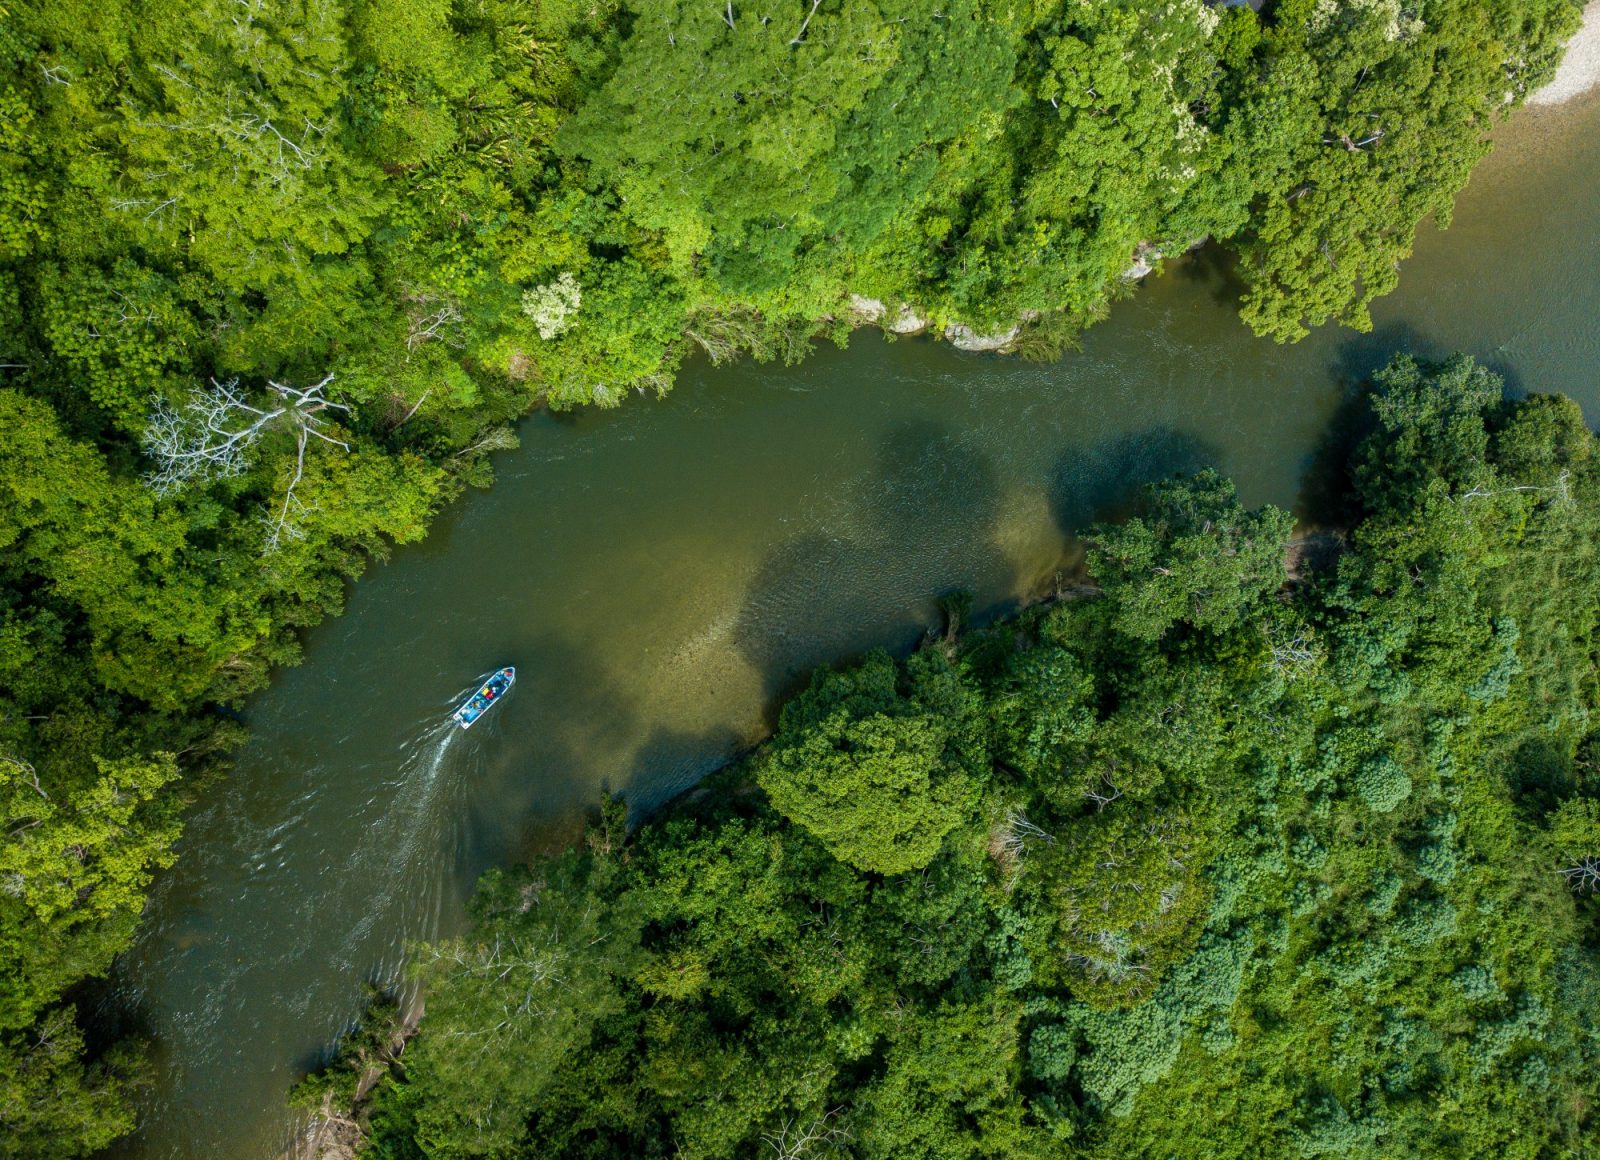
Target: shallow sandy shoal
point(1580, 68)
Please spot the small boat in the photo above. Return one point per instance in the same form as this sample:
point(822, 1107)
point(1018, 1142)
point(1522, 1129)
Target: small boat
point(492, 693)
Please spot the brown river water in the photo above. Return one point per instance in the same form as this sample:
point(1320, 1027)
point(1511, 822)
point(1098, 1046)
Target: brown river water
point(660, 573)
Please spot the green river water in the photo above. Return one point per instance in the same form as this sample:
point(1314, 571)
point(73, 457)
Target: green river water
point(658, 574)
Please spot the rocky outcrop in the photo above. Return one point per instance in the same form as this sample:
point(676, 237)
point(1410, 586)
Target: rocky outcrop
point(906, 321)
point(1145, 257)
point(963, 337)
point(873, 312)
point(1147, 254)
point(867, 309)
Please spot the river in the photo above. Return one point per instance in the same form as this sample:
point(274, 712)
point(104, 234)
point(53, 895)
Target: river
point(660, 573)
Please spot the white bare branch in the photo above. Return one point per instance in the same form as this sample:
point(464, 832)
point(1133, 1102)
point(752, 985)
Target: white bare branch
point(1584, 875)
point(494, 439)
point(432, 316)
point(22, 771)
point(1018, 833)
point(1104, 792)
point(1293, 657)
point(415, 407)
point(1559, 487)
point(796, 1139)
point(211, 434)
point(1111, 957)
point(205, 438)
point(800, 37)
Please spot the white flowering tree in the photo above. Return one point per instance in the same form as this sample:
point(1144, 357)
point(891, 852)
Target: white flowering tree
point(554, 305)
point(1393, 20)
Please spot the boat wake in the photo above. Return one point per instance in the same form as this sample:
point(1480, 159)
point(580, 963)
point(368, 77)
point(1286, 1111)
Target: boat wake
point(301, 887)
point(413, 847)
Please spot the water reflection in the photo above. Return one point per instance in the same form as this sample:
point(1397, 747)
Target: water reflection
point(1105, 480)
point(917, 521)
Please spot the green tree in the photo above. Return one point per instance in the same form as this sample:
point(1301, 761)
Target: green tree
point(51, 1103)
point(1196, 556)
point(866, 771)
point(1365, 118)
point(1040, 708)
point(1383, 784)
point(546, 985)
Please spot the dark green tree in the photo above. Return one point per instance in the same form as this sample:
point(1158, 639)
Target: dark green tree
point(1195, 556)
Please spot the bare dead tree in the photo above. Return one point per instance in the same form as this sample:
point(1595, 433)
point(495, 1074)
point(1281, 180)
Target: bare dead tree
point(1103, 792)
point(1348, 141)
point(13, 882)
point(532, 965)
point(493, 439)
point(306, 426)
point(1291, 657)
point(800, 37)
point(1018, 833)
point(1352, 145)
point(255, 128)
point(210, 436)
point(1584, 875)
point(205, 438)
point(1563, 492)
point(22, 771)
point(722, 337)
point(798, 1139)
point(1110, 956)
point(415, 407)
point(432, 316)
point(657, 381)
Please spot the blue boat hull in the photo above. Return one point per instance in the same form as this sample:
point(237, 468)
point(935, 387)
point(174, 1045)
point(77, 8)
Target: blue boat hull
point(492, 692)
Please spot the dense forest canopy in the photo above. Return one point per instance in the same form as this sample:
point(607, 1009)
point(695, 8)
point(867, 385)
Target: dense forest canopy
point(276, 275)
point(1195, 863)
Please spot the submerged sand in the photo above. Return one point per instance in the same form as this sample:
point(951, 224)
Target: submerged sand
point(1580, 68)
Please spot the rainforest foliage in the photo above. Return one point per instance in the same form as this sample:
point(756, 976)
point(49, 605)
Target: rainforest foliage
point(1211, 862)
point(275, 275)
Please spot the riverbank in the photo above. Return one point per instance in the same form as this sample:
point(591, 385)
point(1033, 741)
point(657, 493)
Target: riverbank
point(664, 602)
point(1580, 67)
point(1578, 75)
point(1095, 832)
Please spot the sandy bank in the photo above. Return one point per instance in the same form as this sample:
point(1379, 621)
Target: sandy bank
point(1580, 68)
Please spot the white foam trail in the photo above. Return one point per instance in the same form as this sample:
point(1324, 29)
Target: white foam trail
point(399, 851)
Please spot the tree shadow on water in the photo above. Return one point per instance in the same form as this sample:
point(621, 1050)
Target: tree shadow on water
point(1105, 481)
point(926, 476)
point(1215, 268)
point(670, 763)
point(562, 738)
point(1360, 356)
point(916, 526)
point(1327, 494)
